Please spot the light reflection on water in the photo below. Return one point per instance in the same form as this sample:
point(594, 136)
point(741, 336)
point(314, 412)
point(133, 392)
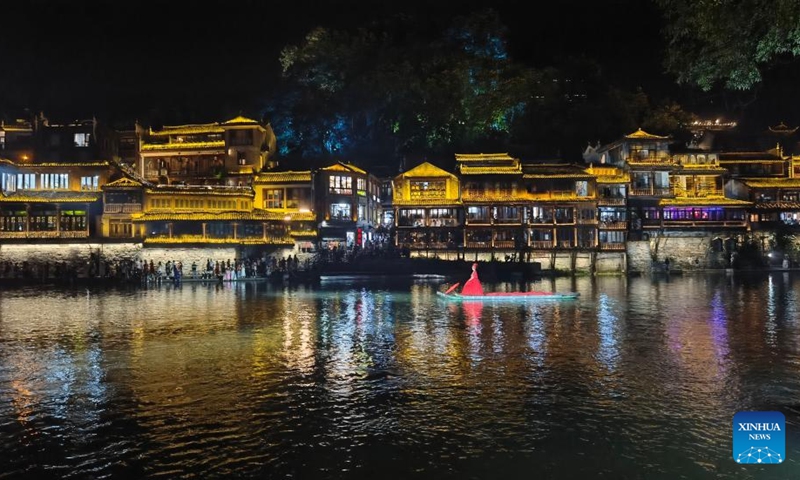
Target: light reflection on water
point(638, 378)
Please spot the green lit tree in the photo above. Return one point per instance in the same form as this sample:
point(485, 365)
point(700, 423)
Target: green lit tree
point(728, 43)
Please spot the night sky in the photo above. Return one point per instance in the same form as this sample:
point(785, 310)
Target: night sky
point(124, 60)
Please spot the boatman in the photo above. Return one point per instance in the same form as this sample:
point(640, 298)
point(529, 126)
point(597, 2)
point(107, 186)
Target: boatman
point(473, 285)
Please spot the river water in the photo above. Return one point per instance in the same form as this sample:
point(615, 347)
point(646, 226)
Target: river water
point(380, 378)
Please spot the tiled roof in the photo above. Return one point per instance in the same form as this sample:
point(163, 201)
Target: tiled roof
point(497, 170)
point(188, 129)
point(425, 170)
point(101, 163)
point(428, 202)
point(228, 215)
point(772, 182)
point(282, 177)
point(642, 135)
point(483, 157)
point(183, 146)
point(240, 120)
point(50, 196)
point(343, 167)
point(622, 178)
point(778, 205)
point(207, 190)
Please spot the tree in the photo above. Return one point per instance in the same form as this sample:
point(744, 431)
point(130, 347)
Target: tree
point(728, 43)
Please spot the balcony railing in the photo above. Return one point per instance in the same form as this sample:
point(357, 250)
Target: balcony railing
point(620, 225)
point(122, 208)
point(612, 246)
point(704, 223)
point(46, 234)
point(504, 244)
point(611, 201)
point(652, 192)
point(247, 240)
point(542, 244)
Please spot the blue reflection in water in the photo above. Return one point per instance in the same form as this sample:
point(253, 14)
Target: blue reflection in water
point(637, 379)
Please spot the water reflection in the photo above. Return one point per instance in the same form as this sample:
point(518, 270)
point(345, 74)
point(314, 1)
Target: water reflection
point(638, 378)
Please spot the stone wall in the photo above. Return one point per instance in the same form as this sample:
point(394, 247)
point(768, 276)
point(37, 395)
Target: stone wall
point(687, 251)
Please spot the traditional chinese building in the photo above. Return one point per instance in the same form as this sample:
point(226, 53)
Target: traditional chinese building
point(227, 153)
point(288, 197)
point(428, 211)
point(347, 205)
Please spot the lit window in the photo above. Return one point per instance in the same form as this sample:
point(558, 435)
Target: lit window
point(82, 139)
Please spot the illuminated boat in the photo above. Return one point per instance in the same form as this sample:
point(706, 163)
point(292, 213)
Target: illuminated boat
point(534, 295)
point(473, 290)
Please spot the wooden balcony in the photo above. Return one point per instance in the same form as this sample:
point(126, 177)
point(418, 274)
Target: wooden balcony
point(504, 244)
point(651, 192)
point(46, 234)
point(122, 208)
point(254, 240)
point(606, 201)
point(613, 225)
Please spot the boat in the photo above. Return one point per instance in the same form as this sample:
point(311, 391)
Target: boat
point(473, 291)
point(533, 295)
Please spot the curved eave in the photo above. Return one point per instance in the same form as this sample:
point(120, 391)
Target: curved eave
point(778, 205)
point(776, 183)
point(266, 178)
point(164, 147)
point(614, 179)
point(433, 202)
point(209, 128)
point(700, 170)
point(202, 192)
point(77, 197)
point(256, 215)
point(652, 166)
point(466, 170)
point(703, 202)
point(566, 176)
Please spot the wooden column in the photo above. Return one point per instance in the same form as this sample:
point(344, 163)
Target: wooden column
point(204, 230)
point(169, 226)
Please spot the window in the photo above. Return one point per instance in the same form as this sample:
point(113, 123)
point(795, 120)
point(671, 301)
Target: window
point(26, 181)
point(241, 158)
point(428, 189)
point(90, 183)
point(82, 139)
point(341, 185)
point(582, 188)
point(340, 211)
point(55, 181)
point(273, 198)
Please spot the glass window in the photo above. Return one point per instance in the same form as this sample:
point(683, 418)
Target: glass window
point(340, 211)
point(82, 139)
point(90, 183)
point(340, 184)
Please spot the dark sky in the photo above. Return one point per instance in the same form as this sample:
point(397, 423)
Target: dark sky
point(130, 59)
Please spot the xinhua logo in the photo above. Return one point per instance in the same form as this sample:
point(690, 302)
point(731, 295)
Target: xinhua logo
point(759, 437)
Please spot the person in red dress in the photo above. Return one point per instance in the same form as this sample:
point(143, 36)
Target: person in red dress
point(473, 285)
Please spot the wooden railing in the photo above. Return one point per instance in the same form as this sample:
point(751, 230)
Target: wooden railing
point(122, 207)
point(46, 234)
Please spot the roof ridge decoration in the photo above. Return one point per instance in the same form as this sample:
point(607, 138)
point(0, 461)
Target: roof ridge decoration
point(782, 128)
point(426, 169)
point(239, 119)
point(124, 182)
point(642, 135)
point(343, 167)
